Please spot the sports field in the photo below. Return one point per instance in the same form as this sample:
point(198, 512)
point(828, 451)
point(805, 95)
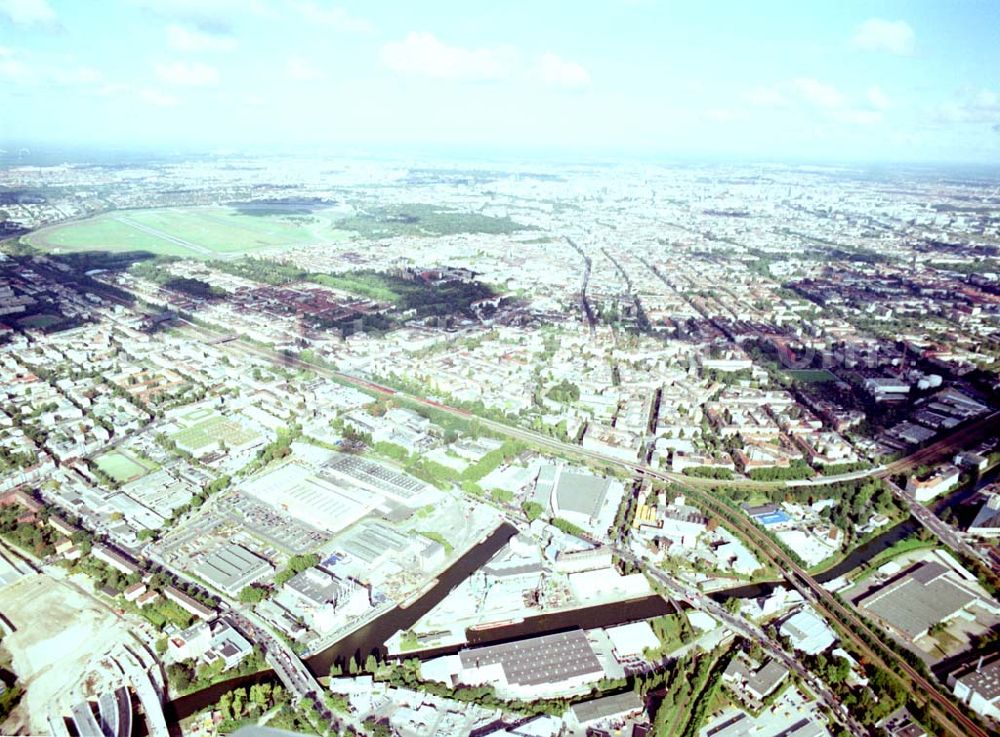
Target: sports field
point(122, 468)
point(199, 232)
point(41, 321)
point(213, 430)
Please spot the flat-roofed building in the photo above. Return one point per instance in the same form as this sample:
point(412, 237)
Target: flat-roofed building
point(114, 559)
point(232, 567)
point(372, 541)
point(228, 645)
point(978, 685)
point(549, 664)
point(630, 641)
point(191, 643)
point(608, 710)
point(608, 582)
point(188, 603)
point(366, 474)
point(971, 460)
point(938, 482)
point(588, 501)
point(740, 724)
point(323, 600)
point(987, 520)
point(808, 632)
point(312, 497)
point(682, 524)
point(920, 597)
point(901, 724)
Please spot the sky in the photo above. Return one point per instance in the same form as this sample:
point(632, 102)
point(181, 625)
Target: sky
point(816, 80)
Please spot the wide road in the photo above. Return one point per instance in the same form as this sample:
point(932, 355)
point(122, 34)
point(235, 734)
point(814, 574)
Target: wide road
point(944, 532)
point(748, 630)
point(951, 716)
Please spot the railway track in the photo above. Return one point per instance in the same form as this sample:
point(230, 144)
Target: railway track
point(955, 721)
point(946, 711)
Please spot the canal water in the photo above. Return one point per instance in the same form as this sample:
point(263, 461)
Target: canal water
point(370, 638)
point(959, 501)
point(600, 615)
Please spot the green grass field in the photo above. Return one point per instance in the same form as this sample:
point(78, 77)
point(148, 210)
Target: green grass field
point(122, 468)
point(41, 321)
point(199, 232)
point(811, 376)
point(425, 220)
point(213, 430)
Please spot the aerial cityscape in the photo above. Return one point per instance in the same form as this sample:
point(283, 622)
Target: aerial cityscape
point(379, 425)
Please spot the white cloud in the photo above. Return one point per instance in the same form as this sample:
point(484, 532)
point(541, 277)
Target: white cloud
point(78, 77)
point(765, 97)
point(725, 115)
point(423, 55)
point(184, 39)
point(817, 93)
point(157, 98)
point(892, 36)
point(28, 12)
point(111, 89)
point(858, 117)
point(303, 70)
point(210, 16)
point(16, 71)
point(27, 69)
point(987, 101)
point(973, 107)
point(559, 72)
point(877, 98)
point(331, 15)
point(187, 74)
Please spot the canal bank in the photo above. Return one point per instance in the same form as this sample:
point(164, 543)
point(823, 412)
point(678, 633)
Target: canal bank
point(955, 500)
point(364, 641)
point(370, 639)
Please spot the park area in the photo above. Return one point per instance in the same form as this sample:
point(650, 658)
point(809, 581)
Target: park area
point(417, 220)
point(199, 232)
point(811, 376)
point(121, 467)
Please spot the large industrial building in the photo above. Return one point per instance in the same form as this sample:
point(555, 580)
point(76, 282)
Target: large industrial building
point(532, 668)
point(311, 497)
point(920, 597)
point(589, 502)
point(322, 600)
point(978, 685)
point(334, 494)
point(231, 567)
point(366, 474)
